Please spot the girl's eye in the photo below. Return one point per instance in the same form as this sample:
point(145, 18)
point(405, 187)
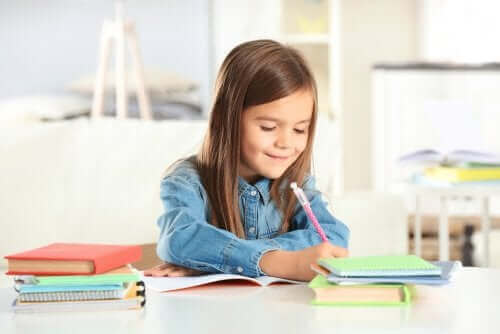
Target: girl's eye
point(299, 131)
point(265, 128)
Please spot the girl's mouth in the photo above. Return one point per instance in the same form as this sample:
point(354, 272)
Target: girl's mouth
point(277, 157)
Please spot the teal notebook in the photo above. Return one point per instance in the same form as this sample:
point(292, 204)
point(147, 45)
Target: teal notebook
point(332, 294)
point(87, 280)
point(29, 288)
point(78, 280)
point(374, 266)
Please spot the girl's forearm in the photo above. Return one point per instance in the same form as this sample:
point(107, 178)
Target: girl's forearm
point(279, 263)
point(296, 265)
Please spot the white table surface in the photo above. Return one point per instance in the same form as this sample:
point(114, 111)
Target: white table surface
point(468, 305)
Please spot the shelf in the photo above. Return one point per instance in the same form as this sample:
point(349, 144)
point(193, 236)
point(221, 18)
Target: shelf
point(306, 39)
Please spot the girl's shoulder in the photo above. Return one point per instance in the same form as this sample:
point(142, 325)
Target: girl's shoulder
point(309, 182)
point(182, 180)
point(183, 169)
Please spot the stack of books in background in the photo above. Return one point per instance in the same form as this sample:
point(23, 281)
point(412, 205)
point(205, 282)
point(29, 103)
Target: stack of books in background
point(376, 280)
point(76, 277)
point(460, 167)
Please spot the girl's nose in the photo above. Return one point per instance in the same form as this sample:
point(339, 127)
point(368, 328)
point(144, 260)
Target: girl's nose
point(284, 140)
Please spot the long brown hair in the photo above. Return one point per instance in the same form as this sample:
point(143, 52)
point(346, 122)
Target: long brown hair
point(253, 73)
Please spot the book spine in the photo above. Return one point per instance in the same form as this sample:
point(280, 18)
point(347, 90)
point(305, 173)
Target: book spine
point(463, 174)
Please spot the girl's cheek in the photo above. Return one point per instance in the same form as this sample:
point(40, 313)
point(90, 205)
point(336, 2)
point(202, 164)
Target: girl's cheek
point(302, 143)
point(267, 139)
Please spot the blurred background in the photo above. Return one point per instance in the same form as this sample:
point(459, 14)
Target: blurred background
point(394, 76)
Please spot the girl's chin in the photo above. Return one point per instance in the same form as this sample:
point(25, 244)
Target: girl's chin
point(273, 174)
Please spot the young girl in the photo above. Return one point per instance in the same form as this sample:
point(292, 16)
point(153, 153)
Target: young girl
point(230, 209)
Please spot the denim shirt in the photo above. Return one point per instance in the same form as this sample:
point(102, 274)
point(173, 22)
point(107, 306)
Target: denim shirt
point(188, 239)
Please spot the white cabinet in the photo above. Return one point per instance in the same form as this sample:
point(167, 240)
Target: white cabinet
point(431, 106)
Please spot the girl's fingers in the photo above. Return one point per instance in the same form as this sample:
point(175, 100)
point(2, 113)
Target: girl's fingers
point(160, 270)
point(181, 271)
point(170, 270)
point(337, 251)
point(178, 273)
point(173, 271)
point(167, 271)
point(193, 272)
point(319, 269)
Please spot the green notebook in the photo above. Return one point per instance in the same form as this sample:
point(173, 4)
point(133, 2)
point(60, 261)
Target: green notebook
point(376, 266)
point(359, 294)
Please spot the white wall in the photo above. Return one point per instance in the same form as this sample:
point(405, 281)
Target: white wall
point(460, 30)
point(46, 44)
point(247, 20)
point(372, 31)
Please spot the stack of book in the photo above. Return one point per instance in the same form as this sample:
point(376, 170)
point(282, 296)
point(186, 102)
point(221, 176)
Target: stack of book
point(76, 277)
point(376, 280)
point(464, 174)
point(460, 167)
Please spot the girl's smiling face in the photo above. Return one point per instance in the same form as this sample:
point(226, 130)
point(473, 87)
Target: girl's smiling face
point(274, 134)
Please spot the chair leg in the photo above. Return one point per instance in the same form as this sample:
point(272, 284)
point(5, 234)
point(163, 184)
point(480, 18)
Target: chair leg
point(468, 246)
point(121, 77)
point(142, 95)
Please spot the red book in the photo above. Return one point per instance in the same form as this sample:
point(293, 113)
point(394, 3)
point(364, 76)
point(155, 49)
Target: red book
point(72, 259)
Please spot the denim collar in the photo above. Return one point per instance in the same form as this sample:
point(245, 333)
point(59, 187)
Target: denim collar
point(262, 186)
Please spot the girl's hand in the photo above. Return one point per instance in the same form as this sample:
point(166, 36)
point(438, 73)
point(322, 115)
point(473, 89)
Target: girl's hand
point(309, 256)
point(296, 265)
point(171, 270)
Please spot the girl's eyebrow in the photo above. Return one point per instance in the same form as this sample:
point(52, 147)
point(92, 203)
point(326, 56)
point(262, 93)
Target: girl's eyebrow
point(267, 118)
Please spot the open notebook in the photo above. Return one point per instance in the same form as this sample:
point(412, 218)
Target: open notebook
point(164, 284)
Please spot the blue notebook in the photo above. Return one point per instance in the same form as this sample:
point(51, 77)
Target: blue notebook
point(447, 269)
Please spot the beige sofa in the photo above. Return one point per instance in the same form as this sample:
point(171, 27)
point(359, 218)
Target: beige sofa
point(98, 181)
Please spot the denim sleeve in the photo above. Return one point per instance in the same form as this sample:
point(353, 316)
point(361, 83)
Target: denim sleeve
point(303, 234)
point(188, 239)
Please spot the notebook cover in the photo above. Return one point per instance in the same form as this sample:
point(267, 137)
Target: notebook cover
point(104, 257)
point(321, 282)
point(391, 265)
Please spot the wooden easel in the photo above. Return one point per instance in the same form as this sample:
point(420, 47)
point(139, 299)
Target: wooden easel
point(121, 32)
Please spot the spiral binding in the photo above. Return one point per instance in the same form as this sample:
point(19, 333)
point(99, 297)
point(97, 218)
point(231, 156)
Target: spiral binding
point(69, 296)
point(141, 292)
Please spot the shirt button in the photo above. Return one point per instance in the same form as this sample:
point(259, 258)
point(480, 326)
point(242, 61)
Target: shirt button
point(253, 193)
point(239, 269)
point(251, 229)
